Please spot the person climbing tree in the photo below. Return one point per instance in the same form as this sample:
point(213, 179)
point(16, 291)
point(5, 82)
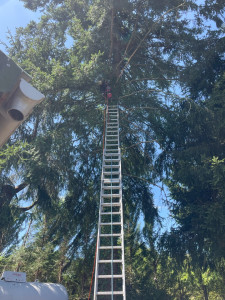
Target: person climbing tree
point(108, 92)
point(105, 89)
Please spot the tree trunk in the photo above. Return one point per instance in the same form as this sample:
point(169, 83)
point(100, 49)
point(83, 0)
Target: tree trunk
point(206, 296)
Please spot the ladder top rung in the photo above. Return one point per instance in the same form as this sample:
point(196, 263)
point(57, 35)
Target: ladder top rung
point(110, 276)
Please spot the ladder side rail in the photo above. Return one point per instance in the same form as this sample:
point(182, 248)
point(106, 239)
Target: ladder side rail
point(122, 224)
point(99, 218)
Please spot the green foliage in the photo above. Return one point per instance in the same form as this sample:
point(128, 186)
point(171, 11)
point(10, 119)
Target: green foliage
point(147, 50)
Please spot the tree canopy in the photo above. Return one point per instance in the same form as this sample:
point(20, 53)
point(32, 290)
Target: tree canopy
point(165, 63)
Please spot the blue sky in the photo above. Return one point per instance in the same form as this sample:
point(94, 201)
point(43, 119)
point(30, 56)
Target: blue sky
point(12, 15)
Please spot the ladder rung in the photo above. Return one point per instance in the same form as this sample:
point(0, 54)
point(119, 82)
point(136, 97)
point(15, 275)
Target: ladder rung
point(111, 154)
point(110, 261)
point(110, 276)
point(109, 224)
point(109, 293)
point(112, 140)
point(113, 173)
point(109, 180)
point(110, 147)
point(111, 187)
point(111, 204)
point(110, 234)
point(110, 247)
point(111, 213)
point(116, 151)
point(113, 159)
point(114, 136)
point(111, 195)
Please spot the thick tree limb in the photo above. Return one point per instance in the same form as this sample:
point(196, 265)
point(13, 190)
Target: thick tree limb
point(28, 207)
point(145, 36)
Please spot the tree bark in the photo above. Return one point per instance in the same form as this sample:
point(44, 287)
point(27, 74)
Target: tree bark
point(206, 296)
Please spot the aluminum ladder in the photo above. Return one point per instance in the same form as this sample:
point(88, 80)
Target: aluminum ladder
point(110, 263)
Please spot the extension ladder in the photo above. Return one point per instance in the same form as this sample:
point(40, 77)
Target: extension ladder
point(110, 263)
